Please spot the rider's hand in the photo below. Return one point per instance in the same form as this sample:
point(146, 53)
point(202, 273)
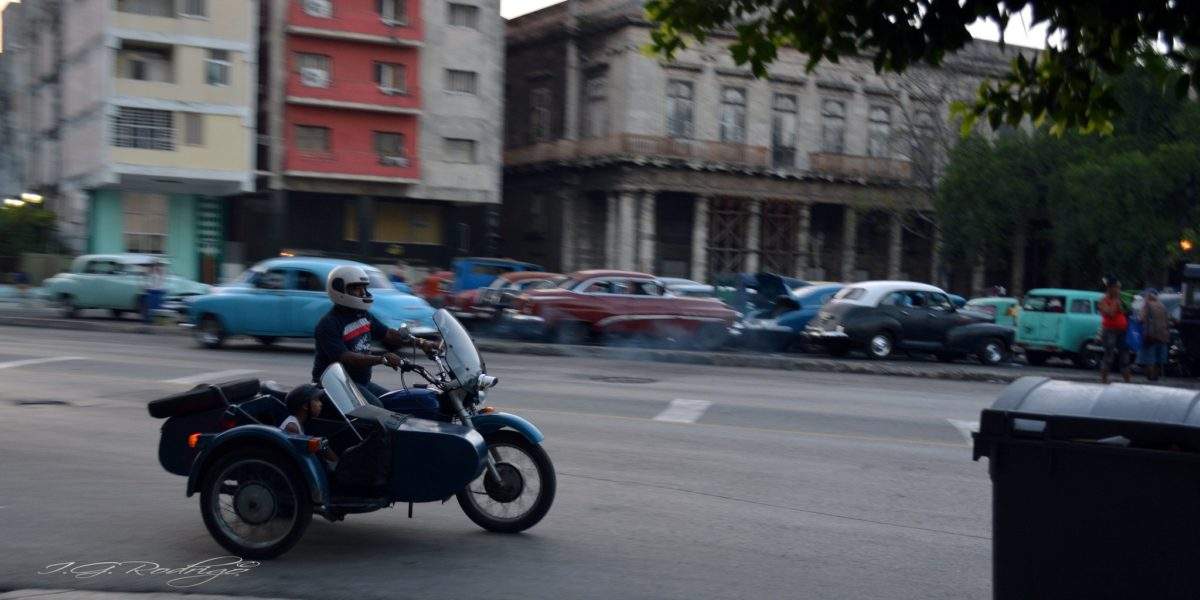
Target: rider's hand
point(429, 347)
point(392, 360)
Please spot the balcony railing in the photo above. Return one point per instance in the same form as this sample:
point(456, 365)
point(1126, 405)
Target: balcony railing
point(868, 167)
point(639, 145)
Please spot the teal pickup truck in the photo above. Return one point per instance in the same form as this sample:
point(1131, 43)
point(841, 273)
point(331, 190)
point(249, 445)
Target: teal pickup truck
point(1059, 322)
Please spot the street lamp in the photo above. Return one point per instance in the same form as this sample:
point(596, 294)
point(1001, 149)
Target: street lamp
point(13, 202)
point(1186, 245)
point(31, 198)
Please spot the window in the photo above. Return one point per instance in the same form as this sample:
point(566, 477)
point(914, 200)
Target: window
point(833, 126)
point(194, 8)
point(850, 293)
point(595, 108)
point(143, 128)
point(322, 9)
point(880, 133)
point(460, 151)
point(312, 139)
point(647, 288)
point(216, 67)
point(539, 114)
point(463, 15)
point(193, 129)
point(1053, 304)
point(144, 63)
point(390, 149)
point(101, 267)
point(923, 120)
point(391, 78)
point(314, 69)
point(939, 301)
point(309, 282)
point(733, 115)
point(784, 123)
point(145, 223)
point(398, 223)
point(151, 8)
point(460, 81)
point(392, 12)
point(1081, 306)
point(679, 109)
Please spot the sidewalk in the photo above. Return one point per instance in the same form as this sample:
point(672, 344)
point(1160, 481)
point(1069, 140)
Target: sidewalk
point(82, 595)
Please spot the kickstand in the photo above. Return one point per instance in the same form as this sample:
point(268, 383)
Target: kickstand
point(410, 510)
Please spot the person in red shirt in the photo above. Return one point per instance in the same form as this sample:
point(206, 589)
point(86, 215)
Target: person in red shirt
point(1113, 324)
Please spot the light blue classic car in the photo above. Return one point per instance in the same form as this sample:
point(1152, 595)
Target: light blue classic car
point(285, 298)
point(116, 282)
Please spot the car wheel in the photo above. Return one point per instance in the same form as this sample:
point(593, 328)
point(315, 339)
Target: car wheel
point(880, 346)
point(255, 504)
point(1035, 358)
point(66, 306)
point(267, 340)
point(209, 332)
point(569, 332)
point(992, 351)
point(117, 313)
point(1086, 359)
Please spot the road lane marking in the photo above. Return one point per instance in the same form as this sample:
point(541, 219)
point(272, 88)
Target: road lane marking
point(211, 377)
point(38, 361)
point(965, 428)
point(684, 411)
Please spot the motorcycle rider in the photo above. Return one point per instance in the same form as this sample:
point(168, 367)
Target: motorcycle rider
point(345, 333)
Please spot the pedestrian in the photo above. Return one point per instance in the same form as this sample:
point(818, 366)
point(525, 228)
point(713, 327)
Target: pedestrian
point(1113, 324)
point(155, 289)
point(21, 279)
point(1156, 334)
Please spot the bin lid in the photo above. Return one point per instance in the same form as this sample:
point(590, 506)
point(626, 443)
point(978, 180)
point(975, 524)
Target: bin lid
point(1068, 410)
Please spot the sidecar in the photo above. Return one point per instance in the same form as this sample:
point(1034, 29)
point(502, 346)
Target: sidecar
point(259, 485)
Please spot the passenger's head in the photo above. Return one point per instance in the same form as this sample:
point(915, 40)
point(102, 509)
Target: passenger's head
point(1112, 285)
point(305, 401)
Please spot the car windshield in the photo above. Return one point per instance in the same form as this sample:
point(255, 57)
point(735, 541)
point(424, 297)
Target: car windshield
point(341, 390)
point(461, 355)
point(989, 309)
point(568, 283)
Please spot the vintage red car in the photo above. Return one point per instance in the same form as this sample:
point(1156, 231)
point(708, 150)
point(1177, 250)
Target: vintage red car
point(486, 303)
point(621, 306)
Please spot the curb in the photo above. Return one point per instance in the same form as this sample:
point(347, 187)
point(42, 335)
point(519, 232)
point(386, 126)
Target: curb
point(47, 594)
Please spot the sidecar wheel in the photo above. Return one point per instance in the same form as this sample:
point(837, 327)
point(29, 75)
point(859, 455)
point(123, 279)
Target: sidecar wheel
point(255, 504)
point(525, 493)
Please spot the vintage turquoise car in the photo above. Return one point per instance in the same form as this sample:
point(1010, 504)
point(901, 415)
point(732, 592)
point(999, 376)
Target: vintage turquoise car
point(1059, 322)
point(1002, 310)
point(116, 282)
point(285, 297)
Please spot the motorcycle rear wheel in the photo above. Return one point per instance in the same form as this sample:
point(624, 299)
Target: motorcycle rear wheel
point(526, 492)
point(255, 504)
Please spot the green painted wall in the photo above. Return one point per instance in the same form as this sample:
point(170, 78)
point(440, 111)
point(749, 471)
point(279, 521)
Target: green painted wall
point(181, 236)
point(106, 223)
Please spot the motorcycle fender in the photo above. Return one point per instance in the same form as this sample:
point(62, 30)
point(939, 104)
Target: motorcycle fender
point(496, 421)
point(307, 464)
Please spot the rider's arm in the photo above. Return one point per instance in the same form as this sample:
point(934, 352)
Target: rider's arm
point(394, 338)
point(329, 341)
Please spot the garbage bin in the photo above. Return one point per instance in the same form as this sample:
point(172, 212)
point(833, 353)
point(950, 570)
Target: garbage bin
point(1095, 490)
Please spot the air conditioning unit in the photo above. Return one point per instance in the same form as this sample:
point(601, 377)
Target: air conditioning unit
point(314, 77)
point(319, 8)
point(393, 161)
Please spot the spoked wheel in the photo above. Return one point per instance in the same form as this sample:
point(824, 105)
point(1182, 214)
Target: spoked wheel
point(255, 505)
point(525, 490)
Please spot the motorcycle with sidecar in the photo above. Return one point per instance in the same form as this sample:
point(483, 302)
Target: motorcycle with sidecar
point(260, 485)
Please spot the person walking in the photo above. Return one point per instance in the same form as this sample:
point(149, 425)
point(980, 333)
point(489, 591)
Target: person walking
point(1156, 335)
point(1113, 324)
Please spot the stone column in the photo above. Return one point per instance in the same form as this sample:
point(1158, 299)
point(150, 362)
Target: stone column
point(568, 248)
point(935, 259)
point(647, 240)
point(753, 236)
point(802, 240)
point(611, 226)
point(627, 231)
point(849, 241)
point(700, 239)
point(895, 246)
point(571, 101)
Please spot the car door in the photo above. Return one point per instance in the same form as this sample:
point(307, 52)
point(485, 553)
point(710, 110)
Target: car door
point(305, 302)
point(941, 317)
point(1082, 323)
point(263, 308)
point(98, 288)
point(906, 308)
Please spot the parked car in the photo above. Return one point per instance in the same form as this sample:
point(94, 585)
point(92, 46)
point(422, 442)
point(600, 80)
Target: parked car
point(619, 306)
point(782, 326)
point(484, 304)
point(1059, 322)
point(286, 297)
point(748, 292)
point(881, 317)
point(116, 282)
point(1003, 311)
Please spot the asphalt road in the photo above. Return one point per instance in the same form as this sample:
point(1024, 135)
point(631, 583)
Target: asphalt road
point(788, 485)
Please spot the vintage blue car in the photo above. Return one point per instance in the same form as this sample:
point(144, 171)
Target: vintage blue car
point(781, 327)
point(285, 297)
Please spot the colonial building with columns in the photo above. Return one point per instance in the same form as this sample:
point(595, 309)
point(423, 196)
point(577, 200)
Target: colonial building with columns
point(695, 168)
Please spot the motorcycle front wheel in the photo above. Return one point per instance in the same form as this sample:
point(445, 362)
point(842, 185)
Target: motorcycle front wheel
point(525, 490)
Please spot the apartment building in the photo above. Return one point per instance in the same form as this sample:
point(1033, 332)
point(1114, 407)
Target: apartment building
point(695, 168)
point(136, 118)
point(380, 130)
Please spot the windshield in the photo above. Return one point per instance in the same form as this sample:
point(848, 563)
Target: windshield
point(461, 356)
point(341, 391)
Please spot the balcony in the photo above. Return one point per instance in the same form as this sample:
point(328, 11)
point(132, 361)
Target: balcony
point(641, 146)
point(868, 167)
point(352, 165)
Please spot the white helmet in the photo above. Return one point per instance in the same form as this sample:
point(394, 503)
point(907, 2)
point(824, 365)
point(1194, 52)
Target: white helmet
point(341, 278)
